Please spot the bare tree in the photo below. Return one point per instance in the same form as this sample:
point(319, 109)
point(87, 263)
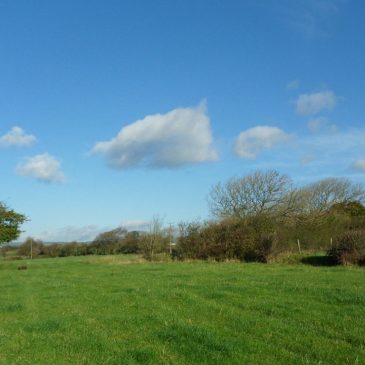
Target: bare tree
point(258, 193)
point(153, 241)
point(324, 194)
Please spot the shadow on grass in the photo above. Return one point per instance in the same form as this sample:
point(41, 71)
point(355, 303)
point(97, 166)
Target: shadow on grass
point(318, 261)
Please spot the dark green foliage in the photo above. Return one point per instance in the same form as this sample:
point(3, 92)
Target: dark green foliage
point(349, 248)
point(108, 242)
point(241, 239)
point(130, 243)
point(189, 244)
point(116, 241)
point(352, 208)
point(10, 222)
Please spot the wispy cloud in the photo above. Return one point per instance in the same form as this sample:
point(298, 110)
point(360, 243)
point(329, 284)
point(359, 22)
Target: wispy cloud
point(43, 167)
point(307, 159)
point(85, 233)
point(314, 156)
point(359, 165)
point(311, 18)
point(179, 137)
point(251, 142)
point(321, 124)
point(70, 233)
point(332, 153)
point(314, 103)
point(17, 137)
point(293, 85)
point(136, 225)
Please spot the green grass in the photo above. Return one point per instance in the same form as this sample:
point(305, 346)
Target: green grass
point(114, 310)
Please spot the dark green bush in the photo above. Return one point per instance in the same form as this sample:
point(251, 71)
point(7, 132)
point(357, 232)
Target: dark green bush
point(349, 248)
point(245, 240)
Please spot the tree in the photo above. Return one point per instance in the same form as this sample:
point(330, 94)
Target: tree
point(322, 195)
point(154, 241)
point(352, 209)
point(10, 222)
point(31, 247)
point(108, 242)
point(258, 193)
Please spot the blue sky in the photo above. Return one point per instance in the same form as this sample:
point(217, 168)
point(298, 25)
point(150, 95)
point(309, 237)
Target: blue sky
point(114, 111)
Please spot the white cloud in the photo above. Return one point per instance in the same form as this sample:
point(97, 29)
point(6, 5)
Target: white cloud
point(181, 136)
point(17, 137)
point(314, 103)
point(359, 165)
point(254, 140)
point(42, 167)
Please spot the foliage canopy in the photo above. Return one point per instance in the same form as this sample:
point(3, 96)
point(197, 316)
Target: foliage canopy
point(10, 222)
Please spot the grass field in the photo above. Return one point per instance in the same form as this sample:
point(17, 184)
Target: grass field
point(114, 310)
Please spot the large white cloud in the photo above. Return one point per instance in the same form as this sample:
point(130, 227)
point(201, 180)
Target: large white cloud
point(42, 167)
point(181, 136)
point(17, 137)
point(314, 103)
point(251, 142)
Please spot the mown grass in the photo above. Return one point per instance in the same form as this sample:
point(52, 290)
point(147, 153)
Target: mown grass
point(115, 310)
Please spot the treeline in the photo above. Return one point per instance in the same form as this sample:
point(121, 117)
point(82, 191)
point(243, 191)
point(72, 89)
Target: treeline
point(262, 215)
point(256, 218)
point(117, 241)
point(113, 242)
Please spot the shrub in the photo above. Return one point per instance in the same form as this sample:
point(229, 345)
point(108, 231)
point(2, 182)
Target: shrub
point(52, 250)
point(129, 244)
point(189, 243)
point(349, 248)
point(152, 244)
point(31, 248)
point(243, 239)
